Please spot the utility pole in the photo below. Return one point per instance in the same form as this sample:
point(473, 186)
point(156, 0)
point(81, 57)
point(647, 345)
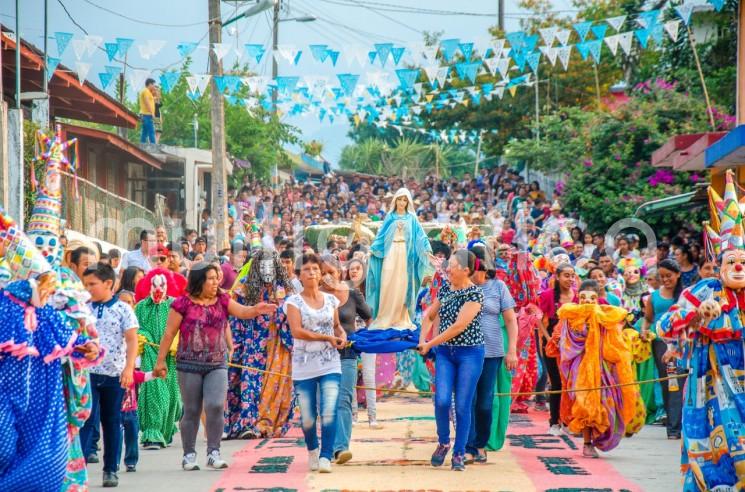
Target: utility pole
point(15, 197)
point(275, 43)
point(500, 15)
point(478, 154)
point(217, 113)
point(275, 71)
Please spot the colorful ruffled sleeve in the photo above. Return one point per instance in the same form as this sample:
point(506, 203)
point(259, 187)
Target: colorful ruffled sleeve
point(675, 325)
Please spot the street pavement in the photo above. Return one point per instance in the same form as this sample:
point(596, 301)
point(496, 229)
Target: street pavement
point(396, 458)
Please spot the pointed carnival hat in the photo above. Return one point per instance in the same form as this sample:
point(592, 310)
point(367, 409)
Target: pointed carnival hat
point(45, 225)
point(21, 257)
point(725, 231)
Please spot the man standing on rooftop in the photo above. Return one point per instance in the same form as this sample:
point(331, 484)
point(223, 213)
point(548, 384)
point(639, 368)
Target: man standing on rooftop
point(147, 112)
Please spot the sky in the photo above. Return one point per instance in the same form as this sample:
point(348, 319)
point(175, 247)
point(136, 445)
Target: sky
point(339, 23)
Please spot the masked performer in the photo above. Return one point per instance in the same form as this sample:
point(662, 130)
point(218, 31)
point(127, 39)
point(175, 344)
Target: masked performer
point(705, 331)
point(69, 299)
point(159, 403)
point(593, 354)
point(34, 340)
point(261, 404)
point(632, 300)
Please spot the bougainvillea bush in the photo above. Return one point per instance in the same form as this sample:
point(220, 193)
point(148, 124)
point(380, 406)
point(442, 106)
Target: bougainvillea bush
point(605, 155)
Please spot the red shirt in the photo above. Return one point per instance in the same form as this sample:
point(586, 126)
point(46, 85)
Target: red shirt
point(547, 304)
point(508, 235)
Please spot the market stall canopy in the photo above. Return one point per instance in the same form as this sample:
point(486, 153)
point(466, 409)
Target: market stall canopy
point(663, 157)
point(729, 151)
point(68, 98)
point(684, 201)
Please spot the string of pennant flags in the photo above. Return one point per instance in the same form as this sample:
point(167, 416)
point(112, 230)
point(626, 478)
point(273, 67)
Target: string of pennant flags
point(393, 83)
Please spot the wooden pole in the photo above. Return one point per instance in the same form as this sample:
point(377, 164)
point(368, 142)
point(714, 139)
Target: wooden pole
point(701, 75)
point(597, 82)
point(217, 113)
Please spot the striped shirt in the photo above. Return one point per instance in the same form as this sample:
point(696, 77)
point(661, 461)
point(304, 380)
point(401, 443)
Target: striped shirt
point(497, 299)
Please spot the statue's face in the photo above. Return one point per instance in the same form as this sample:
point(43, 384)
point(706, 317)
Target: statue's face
point(266, 270)
point(631, 275)
point(401, 203)
point(588, 297)
point(732, 269)
point(158, 288)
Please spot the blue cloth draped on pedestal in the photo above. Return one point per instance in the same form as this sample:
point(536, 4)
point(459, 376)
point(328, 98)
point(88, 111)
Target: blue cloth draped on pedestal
point(384, 341)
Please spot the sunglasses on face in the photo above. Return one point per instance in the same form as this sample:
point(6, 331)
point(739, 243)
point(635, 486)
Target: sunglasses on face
point(159, 259)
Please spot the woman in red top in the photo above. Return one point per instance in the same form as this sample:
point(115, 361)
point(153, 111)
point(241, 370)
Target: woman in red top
point(201, 319)
point(550, 302)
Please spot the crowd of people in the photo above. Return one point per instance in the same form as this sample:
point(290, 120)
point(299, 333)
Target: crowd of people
point(510, 294)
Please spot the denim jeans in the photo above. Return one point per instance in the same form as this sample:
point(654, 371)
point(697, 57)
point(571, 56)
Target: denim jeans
point(456, 369)
point(96, 432)
point(483, 404)
point(344, 405)
point(306, 390)
point(131, 430)
point(148, 129)
point(107, 406)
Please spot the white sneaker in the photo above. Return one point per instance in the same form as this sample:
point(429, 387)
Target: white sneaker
point(313, 459)
point(214, 460)
point(324, 465)
point(555, 430)
point(189, 463)
point(375, 425)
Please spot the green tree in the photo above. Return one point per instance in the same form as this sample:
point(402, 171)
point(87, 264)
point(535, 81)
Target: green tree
point(605, 156)
point(255, 136)
point(314, 148)
point(407, 157)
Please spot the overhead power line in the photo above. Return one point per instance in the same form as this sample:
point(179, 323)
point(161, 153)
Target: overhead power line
point(390, 7)
point(141, 21)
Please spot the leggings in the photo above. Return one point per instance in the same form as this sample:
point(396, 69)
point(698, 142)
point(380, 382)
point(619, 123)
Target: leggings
point(198, 390)
point(368, 378)
point(551, 366)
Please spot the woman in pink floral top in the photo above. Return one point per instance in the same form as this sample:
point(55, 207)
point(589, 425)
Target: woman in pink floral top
point(201, 319)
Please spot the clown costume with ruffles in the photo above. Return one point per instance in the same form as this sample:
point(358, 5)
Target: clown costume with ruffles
point(705, 331)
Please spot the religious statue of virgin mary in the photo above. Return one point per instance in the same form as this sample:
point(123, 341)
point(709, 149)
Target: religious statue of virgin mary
point(400, 258)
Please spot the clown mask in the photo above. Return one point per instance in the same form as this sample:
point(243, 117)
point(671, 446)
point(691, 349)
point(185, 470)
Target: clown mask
point(588, 297)
point(732, 270)
point(158, 288)
point(631, 275)
point(267, 271)
point(48, 245)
